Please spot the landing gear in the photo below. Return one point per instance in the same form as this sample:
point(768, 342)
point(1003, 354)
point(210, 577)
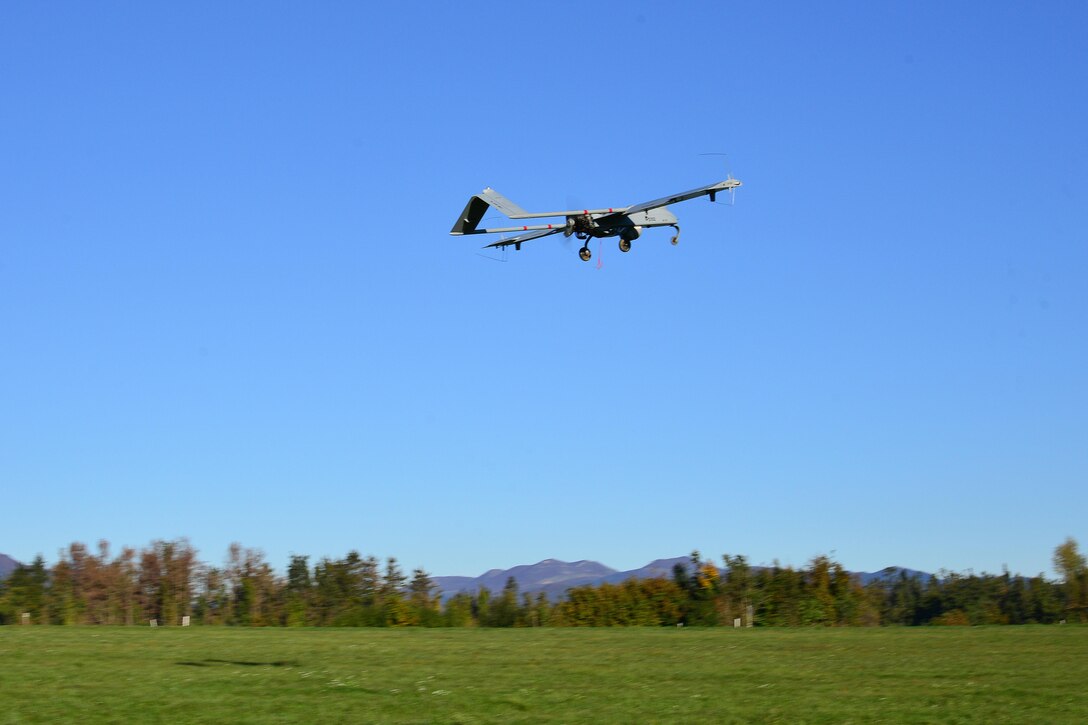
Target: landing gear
point(625, 245)
point(676, 239)
point(585, 254)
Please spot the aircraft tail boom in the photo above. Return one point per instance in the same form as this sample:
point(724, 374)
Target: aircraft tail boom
point(477, 206)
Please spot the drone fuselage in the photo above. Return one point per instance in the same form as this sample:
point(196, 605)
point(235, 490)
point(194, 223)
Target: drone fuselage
point(625, 222)
point(626, 225)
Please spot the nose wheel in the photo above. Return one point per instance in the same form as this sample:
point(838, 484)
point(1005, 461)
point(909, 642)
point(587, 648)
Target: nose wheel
point(585, 254)
point(625, 245)
point(676, 239)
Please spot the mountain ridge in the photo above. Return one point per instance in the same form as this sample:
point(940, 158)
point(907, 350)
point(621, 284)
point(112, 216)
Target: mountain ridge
point(7, 565)
point(554, 577)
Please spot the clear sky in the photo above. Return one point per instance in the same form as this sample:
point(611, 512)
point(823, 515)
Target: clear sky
point(230, 309)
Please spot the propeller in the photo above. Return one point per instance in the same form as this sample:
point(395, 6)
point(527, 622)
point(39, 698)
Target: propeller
point(568, 233)
point(729, 177)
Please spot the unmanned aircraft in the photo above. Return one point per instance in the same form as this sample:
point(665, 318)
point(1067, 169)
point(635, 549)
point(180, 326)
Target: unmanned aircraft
point(625, 222)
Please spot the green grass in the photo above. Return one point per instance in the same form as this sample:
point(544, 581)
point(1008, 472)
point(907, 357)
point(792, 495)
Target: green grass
point(935, 675)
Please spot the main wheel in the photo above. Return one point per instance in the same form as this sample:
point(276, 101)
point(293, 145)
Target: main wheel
point(585, 254)
point(625, 245)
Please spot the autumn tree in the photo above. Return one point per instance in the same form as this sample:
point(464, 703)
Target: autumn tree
point(254, 587)
point(1073, 570)
point(214, 601)
point(298, 592)
point(423, 600)
point(63, 597)
point(737, 589)
point(24, 591)
point(481, 606)
point(504, 609)
point(535, 611)
point(394, 608)
point(459, 611)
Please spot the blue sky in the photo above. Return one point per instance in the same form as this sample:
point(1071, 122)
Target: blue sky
point(230, 309)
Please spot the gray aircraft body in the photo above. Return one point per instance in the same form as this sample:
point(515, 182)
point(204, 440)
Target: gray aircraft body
point(584, 224)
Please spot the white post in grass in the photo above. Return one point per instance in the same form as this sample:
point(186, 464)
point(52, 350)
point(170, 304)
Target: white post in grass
point(185, 621)
point(154, 623)
point(736, 623)
point(26, 617)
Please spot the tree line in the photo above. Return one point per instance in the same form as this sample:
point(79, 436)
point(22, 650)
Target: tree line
point(165, 582)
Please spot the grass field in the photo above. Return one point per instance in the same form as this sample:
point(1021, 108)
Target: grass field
point(937, 675)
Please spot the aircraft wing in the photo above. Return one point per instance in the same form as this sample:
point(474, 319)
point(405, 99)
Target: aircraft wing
point(683, 196)
point(523, 237)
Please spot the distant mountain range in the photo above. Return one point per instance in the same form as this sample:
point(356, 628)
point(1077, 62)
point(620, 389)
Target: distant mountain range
point(554, 577)
point(7, 565)
point(892, 572)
